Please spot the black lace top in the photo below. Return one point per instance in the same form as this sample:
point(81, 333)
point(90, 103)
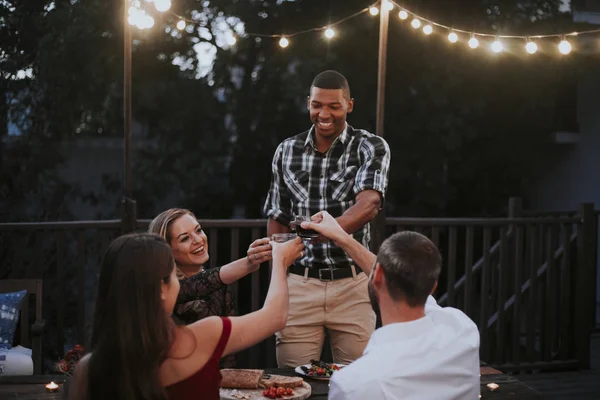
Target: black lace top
point(204, 295)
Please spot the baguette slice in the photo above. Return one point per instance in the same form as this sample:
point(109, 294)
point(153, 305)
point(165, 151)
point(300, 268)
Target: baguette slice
point(241, 378)
point(281, 381)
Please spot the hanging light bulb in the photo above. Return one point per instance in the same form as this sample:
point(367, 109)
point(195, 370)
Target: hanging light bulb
point(374, 11)
point(416, 23)
point(453, 37)
point(564, 46)
point(231, 40)
point(531, 47)
point(162, 5)
point(427, 29)
point(283, 42)
point(141, 21)
point(329, 33)
point(389, 6)
point(181, 25)
point(134, 15)
point(473, 42)
point(403, 15)
point(497, 46)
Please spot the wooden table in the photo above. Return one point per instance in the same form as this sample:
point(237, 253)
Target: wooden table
point(31, 387)
point(509, 387)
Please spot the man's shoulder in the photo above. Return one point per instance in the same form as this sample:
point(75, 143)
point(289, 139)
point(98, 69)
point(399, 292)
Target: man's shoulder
point(454, 320)
point(364, 136)
point(298, 138)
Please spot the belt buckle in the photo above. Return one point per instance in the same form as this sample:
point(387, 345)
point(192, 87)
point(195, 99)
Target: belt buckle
point(330, 270)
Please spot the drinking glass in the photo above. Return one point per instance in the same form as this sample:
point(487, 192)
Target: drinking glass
point(303, 233)
point(283, 237)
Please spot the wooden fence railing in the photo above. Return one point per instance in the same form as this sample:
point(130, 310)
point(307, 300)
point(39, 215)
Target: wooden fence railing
point(527, 281)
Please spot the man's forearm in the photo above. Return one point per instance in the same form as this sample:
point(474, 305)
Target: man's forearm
point(276, 227)
point(362, 212)
point(235, 270)
point(361, 255)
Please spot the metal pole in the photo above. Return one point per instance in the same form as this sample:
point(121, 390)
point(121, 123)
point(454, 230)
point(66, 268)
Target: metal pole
point(129, 217)
point(384, 19)
point(378, 224)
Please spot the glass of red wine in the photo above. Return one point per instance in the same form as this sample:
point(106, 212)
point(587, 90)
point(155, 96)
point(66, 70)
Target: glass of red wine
point(308, 234)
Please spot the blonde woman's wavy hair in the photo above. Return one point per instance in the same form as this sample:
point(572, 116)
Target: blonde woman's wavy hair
point(162, 223)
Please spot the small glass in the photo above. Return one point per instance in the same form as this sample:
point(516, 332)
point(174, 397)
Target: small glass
point(303, 233)
point(283, 237)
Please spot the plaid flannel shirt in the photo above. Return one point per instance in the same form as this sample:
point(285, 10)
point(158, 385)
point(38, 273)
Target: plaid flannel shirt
point(305, 181)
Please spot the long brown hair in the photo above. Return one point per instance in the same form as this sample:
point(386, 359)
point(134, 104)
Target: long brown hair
point(161, 226)
point(132, 333)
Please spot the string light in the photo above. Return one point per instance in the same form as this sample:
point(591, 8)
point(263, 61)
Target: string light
point(231, 40)
point(162, 5)
point(531, 47)
point(497, 46)
point(564, 46)
point(473, 42)
point(141, 19)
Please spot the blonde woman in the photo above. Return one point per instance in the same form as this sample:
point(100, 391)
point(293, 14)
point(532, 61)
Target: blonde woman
point(204, 292)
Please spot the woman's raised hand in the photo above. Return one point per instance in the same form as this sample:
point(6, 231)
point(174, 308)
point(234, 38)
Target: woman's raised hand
point(259, 252)
point(284, 254)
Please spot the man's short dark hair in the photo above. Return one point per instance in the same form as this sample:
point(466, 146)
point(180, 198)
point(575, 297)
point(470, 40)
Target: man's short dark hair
point(331, 80)
point(411, 264)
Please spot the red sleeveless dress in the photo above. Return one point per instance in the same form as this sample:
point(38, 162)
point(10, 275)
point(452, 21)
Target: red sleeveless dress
point(205, 383)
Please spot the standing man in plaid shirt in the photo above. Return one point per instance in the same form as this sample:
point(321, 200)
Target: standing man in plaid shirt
point(343, 170)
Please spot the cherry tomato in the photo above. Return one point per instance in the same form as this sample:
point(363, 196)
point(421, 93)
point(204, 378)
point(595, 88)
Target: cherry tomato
point(310, 373)
point(266, 392)
point(289, 391)
point(320, 371)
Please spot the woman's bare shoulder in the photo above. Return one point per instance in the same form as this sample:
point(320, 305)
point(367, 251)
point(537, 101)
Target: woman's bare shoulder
point(78, 389)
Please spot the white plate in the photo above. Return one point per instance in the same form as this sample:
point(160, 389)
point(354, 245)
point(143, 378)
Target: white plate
point(319, 378)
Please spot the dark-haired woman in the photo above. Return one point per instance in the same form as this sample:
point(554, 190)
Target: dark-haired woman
point(137, 351)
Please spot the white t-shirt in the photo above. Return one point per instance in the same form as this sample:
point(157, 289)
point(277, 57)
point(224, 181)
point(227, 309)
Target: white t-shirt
point(435, 357)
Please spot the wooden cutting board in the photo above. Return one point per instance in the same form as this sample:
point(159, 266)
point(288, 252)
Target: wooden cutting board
point(300, 393)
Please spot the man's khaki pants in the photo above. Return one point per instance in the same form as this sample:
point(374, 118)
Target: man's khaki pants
point(342, 306)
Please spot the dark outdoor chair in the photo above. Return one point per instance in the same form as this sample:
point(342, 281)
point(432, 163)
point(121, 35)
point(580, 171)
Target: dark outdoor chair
point(28, 334)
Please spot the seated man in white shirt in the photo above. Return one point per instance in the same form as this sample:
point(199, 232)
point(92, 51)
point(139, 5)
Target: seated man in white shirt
point(422, 351)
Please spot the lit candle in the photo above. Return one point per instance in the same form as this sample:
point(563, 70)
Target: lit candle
point(52, 387)
point(492, 386)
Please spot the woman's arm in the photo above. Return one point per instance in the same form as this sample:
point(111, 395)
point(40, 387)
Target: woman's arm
point(210, 280)
point(252, 328)
point(258, 253)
